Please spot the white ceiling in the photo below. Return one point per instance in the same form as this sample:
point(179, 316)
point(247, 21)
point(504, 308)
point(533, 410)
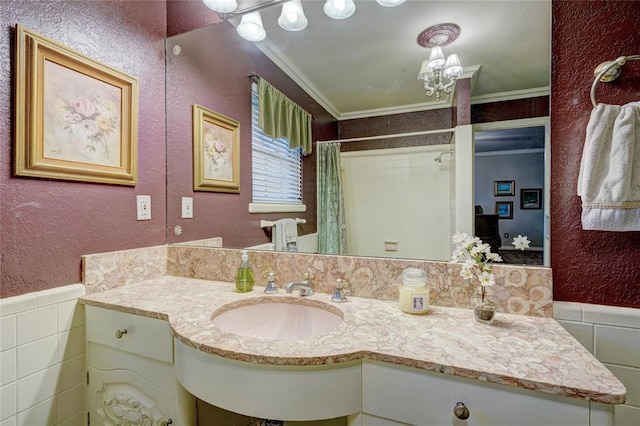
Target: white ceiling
point(368, 64)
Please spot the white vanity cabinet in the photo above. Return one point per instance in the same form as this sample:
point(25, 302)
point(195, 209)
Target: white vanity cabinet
point(394, 395)
point(130, 374)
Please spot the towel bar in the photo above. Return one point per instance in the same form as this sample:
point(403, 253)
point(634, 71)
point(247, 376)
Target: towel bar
point(609, 71)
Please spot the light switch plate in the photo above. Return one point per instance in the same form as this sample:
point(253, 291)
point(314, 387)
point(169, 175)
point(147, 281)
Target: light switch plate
point(187, 207)
point(143, 207)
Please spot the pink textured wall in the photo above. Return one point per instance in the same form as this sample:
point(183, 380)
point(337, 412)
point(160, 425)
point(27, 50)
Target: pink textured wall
point(589, 266)
point(188, 15)
point(394, 124)
point(47, 225)
point(510, 110)
point(220, 81)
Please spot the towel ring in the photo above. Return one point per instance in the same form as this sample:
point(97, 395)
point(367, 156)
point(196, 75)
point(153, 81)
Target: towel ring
point(609, 71)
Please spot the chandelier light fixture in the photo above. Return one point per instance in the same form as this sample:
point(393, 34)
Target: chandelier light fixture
point(438, 74)
point(291, 18)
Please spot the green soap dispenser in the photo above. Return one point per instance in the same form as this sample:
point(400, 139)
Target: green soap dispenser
point(244, 278)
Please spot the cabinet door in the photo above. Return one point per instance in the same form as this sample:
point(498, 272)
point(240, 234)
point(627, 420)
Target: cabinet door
point(417, 397)
point(122, 397)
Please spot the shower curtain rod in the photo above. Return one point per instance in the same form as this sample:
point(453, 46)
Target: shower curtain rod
point(396, 135)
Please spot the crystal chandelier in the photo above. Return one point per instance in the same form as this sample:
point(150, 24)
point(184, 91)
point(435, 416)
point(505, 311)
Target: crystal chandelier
point(291, 19)
point(438, 74)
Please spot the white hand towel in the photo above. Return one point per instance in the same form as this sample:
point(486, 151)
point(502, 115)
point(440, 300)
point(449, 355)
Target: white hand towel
point(285, 235)
point(609, 179)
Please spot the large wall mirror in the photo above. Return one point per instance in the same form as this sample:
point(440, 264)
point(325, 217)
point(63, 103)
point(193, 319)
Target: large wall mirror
point(358, 78)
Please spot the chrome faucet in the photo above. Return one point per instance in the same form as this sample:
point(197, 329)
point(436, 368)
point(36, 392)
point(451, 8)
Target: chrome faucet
point(306, 288)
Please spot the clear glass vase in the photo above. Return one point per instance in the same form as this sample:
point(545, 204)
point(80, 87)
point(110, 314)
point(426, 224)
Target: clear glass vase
point(484, 312)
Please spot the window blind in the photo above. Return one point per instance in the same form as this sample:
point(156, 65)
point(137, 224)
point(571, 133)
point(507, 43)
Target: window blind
point(276, 169)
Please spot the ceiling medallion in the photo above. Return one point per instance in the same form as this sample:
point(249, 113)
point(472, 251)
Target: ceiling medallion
point(439, 35)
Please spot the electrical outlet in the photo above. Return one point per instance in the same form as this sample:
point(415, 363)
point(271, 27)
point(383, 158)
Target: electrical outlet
point(506, 235)
point(144, 207)
point(390, 246)
point(187, 207)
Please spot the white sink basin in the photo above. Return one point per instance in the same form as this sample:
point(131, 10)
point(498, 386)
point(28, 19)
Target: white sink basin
point(277, 318)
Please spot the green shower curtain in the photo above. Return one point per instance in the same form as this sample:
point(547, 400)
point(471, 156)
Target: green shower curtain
point(332, 227)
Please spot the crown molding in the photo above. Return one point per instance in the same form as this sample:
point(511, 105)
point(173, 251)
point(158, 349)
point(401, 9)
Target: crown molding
point(511, 96)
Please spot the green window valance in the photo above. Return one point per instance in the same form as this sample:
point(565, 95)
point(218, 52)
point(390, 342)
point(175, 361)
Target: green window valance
point(279, 117)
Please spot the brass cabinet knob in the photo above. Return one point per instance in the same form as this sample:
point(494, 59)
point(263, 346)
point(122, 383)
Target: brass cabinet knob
point(166, 422)
point(461, 411)
point(120, 333)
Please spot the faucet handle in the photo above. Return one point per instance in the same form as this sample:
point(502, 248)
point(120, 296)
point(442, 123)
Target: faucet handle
point(338, 297)
point(271, 284)
point(307, 276)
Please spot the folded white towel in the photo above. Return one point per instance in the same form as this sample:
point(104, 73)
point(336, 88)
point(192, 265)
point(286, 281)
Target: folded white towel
point(609, 179)
point(285, 235)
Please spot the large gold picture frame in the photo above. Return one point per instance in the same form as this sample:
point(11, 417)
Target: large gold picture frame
point(216, 151)
point(76, 119)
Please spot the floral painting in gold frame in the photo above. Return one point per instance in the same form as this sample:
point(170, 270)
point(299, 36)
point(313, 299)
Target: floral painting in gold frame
point(216, 151)
point(76, 118)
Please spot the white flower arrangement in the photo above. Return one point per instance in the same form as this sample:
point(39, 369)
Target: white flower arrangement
point(521, 242)
point(477, 260)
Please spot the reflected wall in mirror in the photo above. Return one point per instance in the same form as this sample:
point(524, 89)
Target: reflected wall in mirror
point(512, 152)
point(210, 66)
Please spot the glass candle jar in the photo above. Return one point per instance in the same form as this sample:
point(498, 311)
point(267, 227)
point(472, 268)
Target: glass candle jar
point(413, 294)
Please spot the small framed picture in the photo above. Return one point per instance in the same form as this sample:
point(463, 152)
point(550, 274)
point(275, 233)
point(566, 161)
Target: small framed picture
point(216, 151)
point(504, 209)
point(531, 199)
point(504, 188)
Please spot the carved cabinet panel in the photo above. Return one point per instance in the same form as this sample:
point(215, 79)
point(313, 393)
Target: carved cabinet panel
point(122, 397)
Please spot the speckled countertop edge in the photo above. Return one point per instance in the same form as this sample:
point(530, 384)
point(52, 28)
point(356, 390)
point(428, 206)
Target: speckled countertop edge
point(527, 352)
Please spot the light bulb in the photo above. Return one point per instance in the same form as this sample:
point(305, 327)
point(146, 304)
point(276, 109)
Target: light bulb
point(339, 9)
point(251, 28)
point(221, 6)
point(292, 17)
point(390, 3)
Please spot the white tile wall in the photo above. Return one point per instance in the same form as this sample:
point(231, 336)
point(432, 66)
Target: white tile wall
point(612, 334)
point(42, 359)
point(403, 192)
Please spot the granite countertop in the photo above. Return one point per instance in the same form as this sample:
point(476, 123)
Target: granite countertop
point(516, 350)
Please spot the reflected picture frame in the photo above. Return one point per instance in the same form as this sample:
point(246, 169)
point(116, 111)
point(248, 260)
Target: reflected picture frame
point(76, 118)
point(504, 188)
point(216, 151)
point(531, 198)
point(504, 209)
